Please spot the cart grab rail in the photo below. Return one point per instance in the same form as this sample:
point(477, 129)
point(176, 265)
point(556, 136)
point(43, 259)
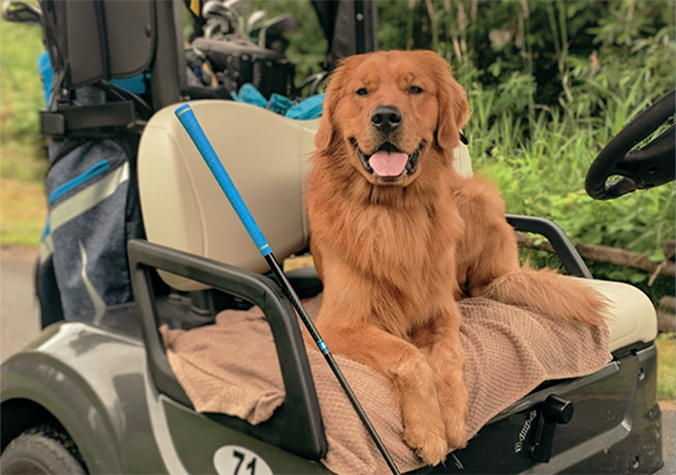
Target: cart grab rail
point(297, 425)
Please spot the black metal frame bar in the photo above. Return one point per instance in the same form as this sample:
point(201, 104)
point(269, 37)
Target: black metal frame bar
point(564, 248)
point(359, 27)
point(297, 425)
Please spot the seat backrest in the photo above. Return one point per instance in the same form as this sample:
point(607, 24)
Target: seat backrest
point(266, 155)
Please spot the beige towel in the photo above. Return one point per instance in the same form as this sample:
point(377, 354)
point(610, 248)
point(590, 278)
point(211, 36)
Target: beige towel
point(231, 367)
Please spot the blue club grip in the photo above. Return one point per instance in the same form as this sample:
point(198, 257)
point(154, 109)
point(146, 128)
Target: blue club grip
point(187, 118)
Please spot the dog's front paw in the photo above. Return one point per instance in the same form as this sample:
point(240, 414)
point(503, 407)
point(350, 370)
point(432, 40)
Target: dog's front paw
point(456, 431)
point(428, 442)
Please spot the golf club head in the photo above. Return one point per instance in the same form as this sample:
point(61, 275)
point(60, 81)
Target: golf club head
point(215, 26)
point(215, 10)
point(21, 12)
point(243, 7)
point(278, 31)
point(255, 21)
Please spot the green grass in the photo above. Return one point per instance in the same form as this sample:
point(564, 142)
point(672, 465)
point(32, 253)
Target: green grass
point(666, 381)
point(23, 209)
point(23, 204)
point(20, 87)
point(18, 164)
point(22, 159)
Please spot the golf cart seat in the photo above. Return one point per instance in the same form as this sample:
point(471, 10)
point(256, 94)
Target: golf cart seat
point(267, 157)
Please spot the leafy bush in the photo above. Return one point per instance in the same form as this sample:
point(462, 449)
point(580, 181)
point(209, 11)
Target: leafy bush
point(538, 155)
point(535, 38)
point(549, 84)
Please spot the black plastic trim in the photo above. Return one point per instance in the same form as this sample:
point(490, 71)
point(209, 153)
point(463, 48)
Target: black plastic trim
point(570, 258)
point(95, 121)
point(297, 425)
point(359, 27)
point(167, 79)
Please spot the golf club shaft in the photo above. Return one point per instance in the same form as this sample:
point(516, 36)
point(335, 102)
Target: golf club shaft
point(295, 301)
point(187, 118)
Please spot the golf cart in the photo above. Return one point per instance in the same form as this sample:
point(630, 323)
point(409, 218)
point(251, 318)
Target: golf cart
point(96, 393)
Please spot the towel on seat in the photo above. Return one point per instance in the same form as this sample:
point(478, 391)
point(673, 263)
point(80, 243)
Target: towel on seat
point(231, 367)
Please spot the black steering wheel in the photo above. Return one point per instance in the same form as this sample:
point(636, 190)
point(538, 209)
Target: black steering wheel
point(647, 167)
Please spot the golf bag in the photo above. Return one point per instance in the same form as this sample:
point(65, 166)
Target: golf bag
point(105, 58)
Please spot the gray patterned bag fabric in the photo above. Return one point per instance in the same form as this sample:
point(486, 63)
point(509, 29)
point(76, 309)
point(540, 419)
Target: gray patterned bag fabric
point(93, 211)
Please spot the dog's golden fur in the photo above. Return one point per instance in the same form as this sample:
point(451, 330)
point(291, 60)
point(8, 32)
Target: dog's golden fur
point(396, 253)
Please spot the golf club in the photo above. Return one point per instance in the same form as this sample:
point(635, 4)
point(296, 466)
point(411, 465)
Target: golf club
point(21, 12)
point(278, 28)
point(255, 21)
point(215, 26)
point(220, 17)
point(187, 117)
point(243, 7)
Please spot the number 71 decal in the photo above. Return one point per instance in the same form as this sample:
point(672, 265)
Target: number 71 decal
point(236, 460)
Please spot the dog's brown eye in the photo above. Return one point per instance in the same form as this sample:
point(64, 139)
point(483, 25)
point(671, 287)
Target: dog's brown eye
point(362, 92)
point(415, 90)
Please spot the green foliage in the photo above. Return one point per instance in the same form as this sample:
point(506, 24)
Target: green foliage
point(538, 155)
point(20, 87)
point(666, 386)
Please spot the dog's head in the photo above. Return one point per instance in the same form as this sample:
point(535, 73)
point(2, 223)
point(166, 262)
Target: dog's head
point(391, 112)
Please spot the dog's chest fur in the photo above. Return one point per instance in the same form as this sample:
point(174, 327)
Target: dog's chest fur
point(402, 247)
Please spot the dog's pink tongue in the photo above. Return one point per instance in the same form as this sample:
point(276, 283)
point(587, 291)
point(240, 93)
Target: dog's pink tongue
point(388, 163)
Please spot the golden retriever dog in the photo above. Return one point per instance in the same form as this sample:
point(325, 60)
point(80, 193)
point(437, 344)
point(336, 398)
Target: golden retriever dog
point(398, 237)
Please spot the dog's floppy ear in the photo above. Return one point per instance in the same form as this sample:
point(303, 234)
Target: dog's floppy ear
point(453, 108)
point(326, 129)
point(324, 133)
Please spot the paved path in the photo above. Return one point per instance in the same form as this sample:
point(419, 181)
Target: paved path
point(19, 310)
point(20, 323)
point(668, 447)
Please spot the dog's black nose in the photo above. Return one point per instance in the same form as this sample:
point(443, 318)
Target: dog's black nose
point(386, 118)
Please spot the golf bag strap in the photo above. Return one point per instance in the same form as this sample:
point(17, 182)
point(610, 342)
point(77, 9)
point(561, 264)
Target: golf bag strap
point(96, 121)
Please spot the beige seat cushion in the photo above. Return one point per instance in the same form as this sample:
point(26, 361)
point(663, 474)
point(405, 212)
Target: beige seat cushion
point(631, 315)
